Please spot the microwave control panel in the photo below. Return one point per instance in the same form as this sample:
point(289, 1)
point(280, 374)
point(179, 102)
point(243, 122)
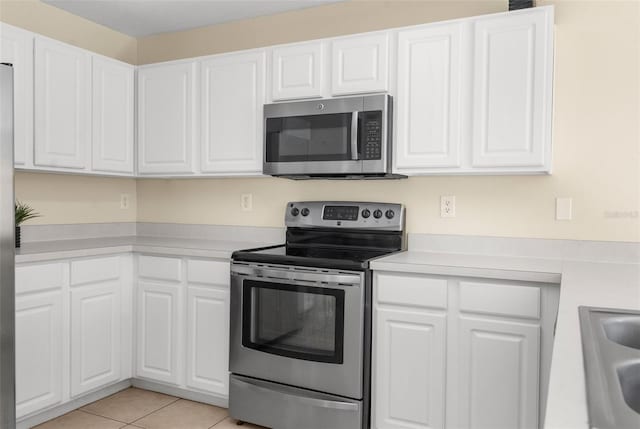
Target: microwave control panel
point(372, 135)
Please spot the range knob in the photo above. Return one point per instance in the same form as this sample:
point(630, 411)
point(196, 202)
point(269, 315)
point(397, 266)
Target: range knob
point(389, 214)
point(305, 211)
point(295, 211)
point(366, 213)
point(377, 214)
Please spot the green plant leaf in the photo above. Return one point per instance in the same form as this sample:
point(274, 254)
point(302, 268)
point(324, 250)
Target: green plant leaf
point(24, 213)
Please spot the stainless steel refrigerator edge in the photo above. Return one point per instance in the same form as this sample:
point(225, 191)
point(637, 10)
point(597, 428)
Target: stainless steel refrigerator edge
point(7, 252)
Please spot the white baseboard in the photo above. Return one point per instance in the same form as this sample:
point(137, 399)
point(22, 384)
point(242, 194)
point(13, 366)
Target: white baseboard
point(207, 398)
point(57, 411)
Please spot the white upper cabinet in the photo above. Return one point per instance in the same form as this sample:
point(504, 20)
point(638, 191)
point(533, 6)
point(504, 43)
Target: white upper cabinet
point(16, 48)
point(297, 71)
point(113, 114)
point(360, 64)
point(62, 105)
point(429, 98)
point(232, 103)
point(167, 111)
point(512, 89)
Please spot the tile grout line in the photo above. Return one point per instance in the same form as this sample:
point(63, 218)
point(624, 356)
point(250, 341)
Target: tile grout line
point(220, 421)
point(154, 411)
point(98, 415)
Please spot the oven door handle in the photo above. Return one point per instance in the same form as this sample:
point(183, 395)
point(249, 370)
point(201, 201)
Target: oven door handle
point(344, 279)
point(354, 136)
point(314, 402)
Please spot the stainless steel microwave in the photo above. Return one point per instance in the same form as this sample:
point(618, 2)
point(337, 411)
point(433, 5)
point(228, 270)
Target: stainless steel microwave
point(347, 137)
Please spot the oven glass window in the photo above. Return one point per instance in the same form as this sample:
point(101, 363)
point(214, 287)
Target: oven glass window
point(301, 322)
point(309, 138)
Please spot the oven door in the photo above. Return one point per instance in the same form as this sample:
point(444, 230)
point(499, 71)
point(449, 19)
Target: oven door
point(301, 327)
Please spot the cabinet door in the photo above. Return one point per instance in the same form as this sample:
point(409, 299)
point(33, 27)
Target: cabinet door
point(62, 105)
point(428, 103)
point(158, 327)
point(166, 118)
point(499, 374)
point(409, 370)
point(360, 64)
point(16, 47)
point(233, 99)
point(512, 89)
point(95, 336)
point(297, 71)
point(112, 116)
point(208, 339)
point(38, 339)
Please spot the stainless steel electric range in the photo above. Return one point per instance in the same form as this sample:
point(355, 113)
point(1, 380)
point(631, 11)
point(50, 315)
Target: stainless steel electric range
point(300, 352)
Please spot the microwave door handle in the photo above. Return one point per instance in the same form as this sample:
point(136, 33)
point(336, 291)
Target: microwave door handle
point(354, 136)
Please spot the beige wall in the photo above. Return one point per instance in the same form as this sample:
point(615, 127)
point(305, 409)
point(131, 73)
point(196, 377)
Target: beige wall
point(50, 21)
point(325, 21)
point(65, 198)
point(596, 136)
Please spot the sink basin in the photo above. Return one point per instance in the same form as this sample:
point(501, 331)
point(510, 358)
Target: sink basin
point(623, 330)
point(611, 349)
point(629, 376)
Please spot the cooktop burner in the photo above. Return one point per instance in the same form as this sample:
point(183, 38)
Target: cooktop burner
point(336, 235)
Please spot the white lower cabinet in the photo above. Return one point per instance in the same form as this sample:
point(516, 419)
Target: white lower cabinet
point(499, 374)
point(95, 336)
point(73, 319)
point(183, 323)
point(208, 339)
point(474, 356)
point(39, 351)
point(157, 341)
point(410, 369)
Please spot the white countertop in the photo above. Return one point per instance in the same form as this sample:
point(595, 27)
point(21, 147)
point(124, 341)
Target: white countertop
point(65, 249)
point(589, 283)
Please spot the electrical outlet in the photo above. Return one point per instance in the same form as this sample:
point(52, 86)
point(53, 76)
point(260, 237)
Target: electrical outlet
point(124, 201)
point(447, 206)
point(246, 202)
point(564, 209)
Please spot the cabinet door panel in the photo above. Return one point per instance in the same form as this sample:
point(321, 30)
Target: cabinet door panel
point(512, 90)
point(499, 374)
point(112, 116)
point(360, 64)
point(62, 105)
point(38, 352)
point(429, 97)
point(95, 336)
point(158, 327)
point(166, 118)
point(297, 71)
point(409, 369)
point(233, 98)
point(208, 339)
point(16, 47)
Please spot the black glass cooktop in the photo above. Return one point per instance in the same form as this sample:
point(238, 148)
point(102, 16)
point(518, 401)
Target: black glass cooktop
point(324, 257)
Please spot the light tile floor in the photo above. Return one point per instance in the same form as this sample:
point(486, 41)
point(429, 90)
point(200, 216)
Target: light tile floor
point(137, 408)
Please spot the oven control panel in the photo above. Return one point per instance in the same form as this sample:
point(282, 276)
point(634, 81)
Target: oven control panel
point(344, 214)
